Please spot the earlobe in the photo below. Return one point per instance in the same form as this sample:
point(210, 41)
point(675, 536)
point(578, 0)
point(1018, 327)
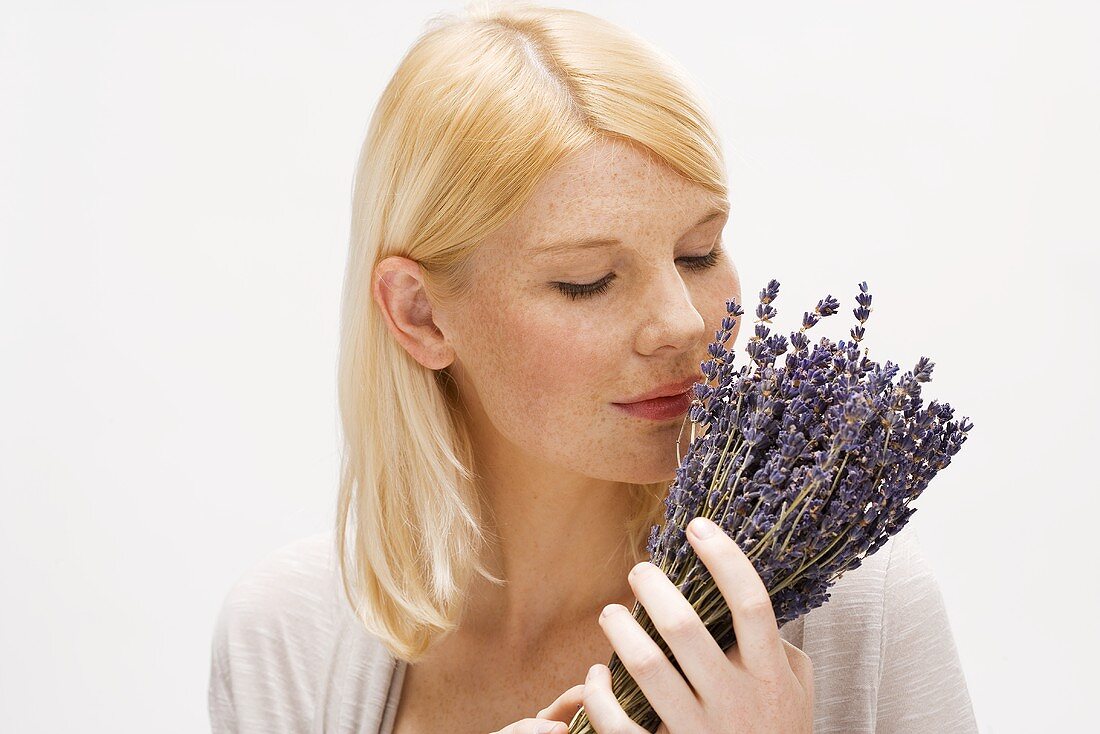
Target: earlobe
point(400, 295)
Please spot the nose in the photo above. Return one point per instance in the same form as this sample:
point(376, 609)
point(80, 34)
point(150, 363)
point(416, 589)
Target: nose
point(668, 317)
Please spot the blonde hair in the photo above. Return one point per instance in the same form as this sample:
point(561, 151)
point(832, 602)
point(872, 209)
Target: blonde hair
point(483, 105)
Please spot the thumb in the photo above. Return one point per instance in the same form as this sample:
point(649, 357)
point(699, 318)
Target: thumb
point(564, 706)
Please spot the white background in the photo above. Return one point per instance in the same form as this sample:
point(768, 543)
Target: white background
point(174, 202)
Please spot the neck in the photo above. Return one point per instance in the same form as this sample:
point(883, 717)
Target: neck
point(560, 546)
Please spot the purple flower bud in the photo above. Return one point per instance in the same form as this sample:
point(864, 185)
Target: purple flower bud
point(809, 464)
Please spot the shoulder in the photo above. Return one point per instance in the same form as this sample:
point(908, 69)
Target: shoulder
point(922, 684)
point(855, 601)
point(909, 576)
point(274, 632)
point(869, 601)
point(893, 583)
point(842, 639)
point(289, 593)
point(842, 635)
point(882, 635)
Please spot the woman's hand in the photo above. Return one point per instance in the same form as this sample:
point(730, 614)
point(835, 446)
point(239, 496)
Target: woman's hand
point(761, 684)
point(554, 719)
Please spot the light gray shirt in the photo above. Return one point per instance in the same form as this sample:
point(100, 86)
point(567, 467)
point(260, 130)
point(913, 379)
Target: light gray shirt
point(289, 656)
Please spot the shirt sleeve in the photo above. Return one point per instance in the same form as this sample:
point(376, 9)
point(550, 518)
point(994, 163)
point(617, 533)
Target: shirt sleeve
point(219, 692)
point(922, 687)
point(271, 642)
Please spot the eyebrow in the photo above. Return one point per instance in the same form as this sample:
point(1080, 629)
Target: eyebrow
point(589, 243)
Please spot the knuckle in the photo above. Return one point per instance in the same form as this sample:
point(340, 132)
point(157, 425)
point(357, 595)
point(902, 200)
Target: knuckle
point(771, 681)
point(773, 688)
point(649, 664)
point(683, 626)
point(755, 607)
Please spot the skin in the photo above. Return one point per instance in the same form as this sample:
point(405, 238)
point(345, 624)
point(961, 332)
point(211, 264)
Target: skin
point(537, 373)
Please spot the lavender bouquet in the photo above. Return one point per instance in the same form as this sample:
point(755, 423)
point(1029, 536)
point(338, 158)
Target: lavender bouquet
point(809, 467)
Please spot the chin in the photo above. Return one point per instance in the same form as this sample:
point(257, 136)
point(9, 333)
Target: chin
point(664, 475)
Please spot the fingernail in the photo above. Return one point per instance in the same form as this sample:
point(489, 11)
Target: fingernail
point(548, 728)
point(701, 527)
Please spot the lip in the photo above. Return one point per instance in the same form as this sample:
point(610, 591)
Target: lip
point(668, 408)
point(671, 389)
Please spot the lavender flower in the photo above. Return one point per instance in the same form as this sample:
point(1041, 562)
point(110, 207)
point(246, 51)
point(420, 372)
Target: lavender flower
point(809, 466)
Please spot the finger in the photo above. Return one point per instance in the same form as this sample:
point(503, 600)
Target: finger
point(603, 709)
point(700, 658)
point(534, 726)
point(758, 642)
point(667, 691)
point(564, 706)
point(801, 665)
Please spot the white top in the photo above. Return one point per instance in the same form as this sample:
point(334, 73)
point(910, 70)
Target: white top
point(288, 656)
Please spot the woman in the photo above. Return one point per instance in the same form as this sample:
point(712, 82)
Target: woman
point(536, 244)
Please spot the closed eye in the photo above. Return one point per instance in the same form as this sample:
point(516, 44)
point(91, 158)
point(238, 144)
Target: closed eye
point(587, 290)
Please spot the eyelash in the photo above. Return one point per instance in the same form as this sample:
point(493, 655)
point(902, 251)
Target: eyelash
point(585, 290)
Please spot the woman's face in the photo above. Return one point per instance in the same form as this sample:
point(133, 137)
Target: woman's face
point(538, 369)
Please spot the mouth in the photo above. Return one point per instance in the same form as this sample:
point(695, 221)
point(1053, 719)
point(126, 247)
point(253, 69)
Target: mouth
point(671, 389)
point(667, 408)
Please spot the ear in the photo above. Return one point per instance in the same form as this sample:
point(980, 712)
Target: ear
point(398, 289)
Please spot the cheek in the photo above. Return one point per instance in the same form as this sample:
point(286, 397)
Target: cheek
point(536, 365)
point(571, 355)
point(546, 372)
point(544, 379)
